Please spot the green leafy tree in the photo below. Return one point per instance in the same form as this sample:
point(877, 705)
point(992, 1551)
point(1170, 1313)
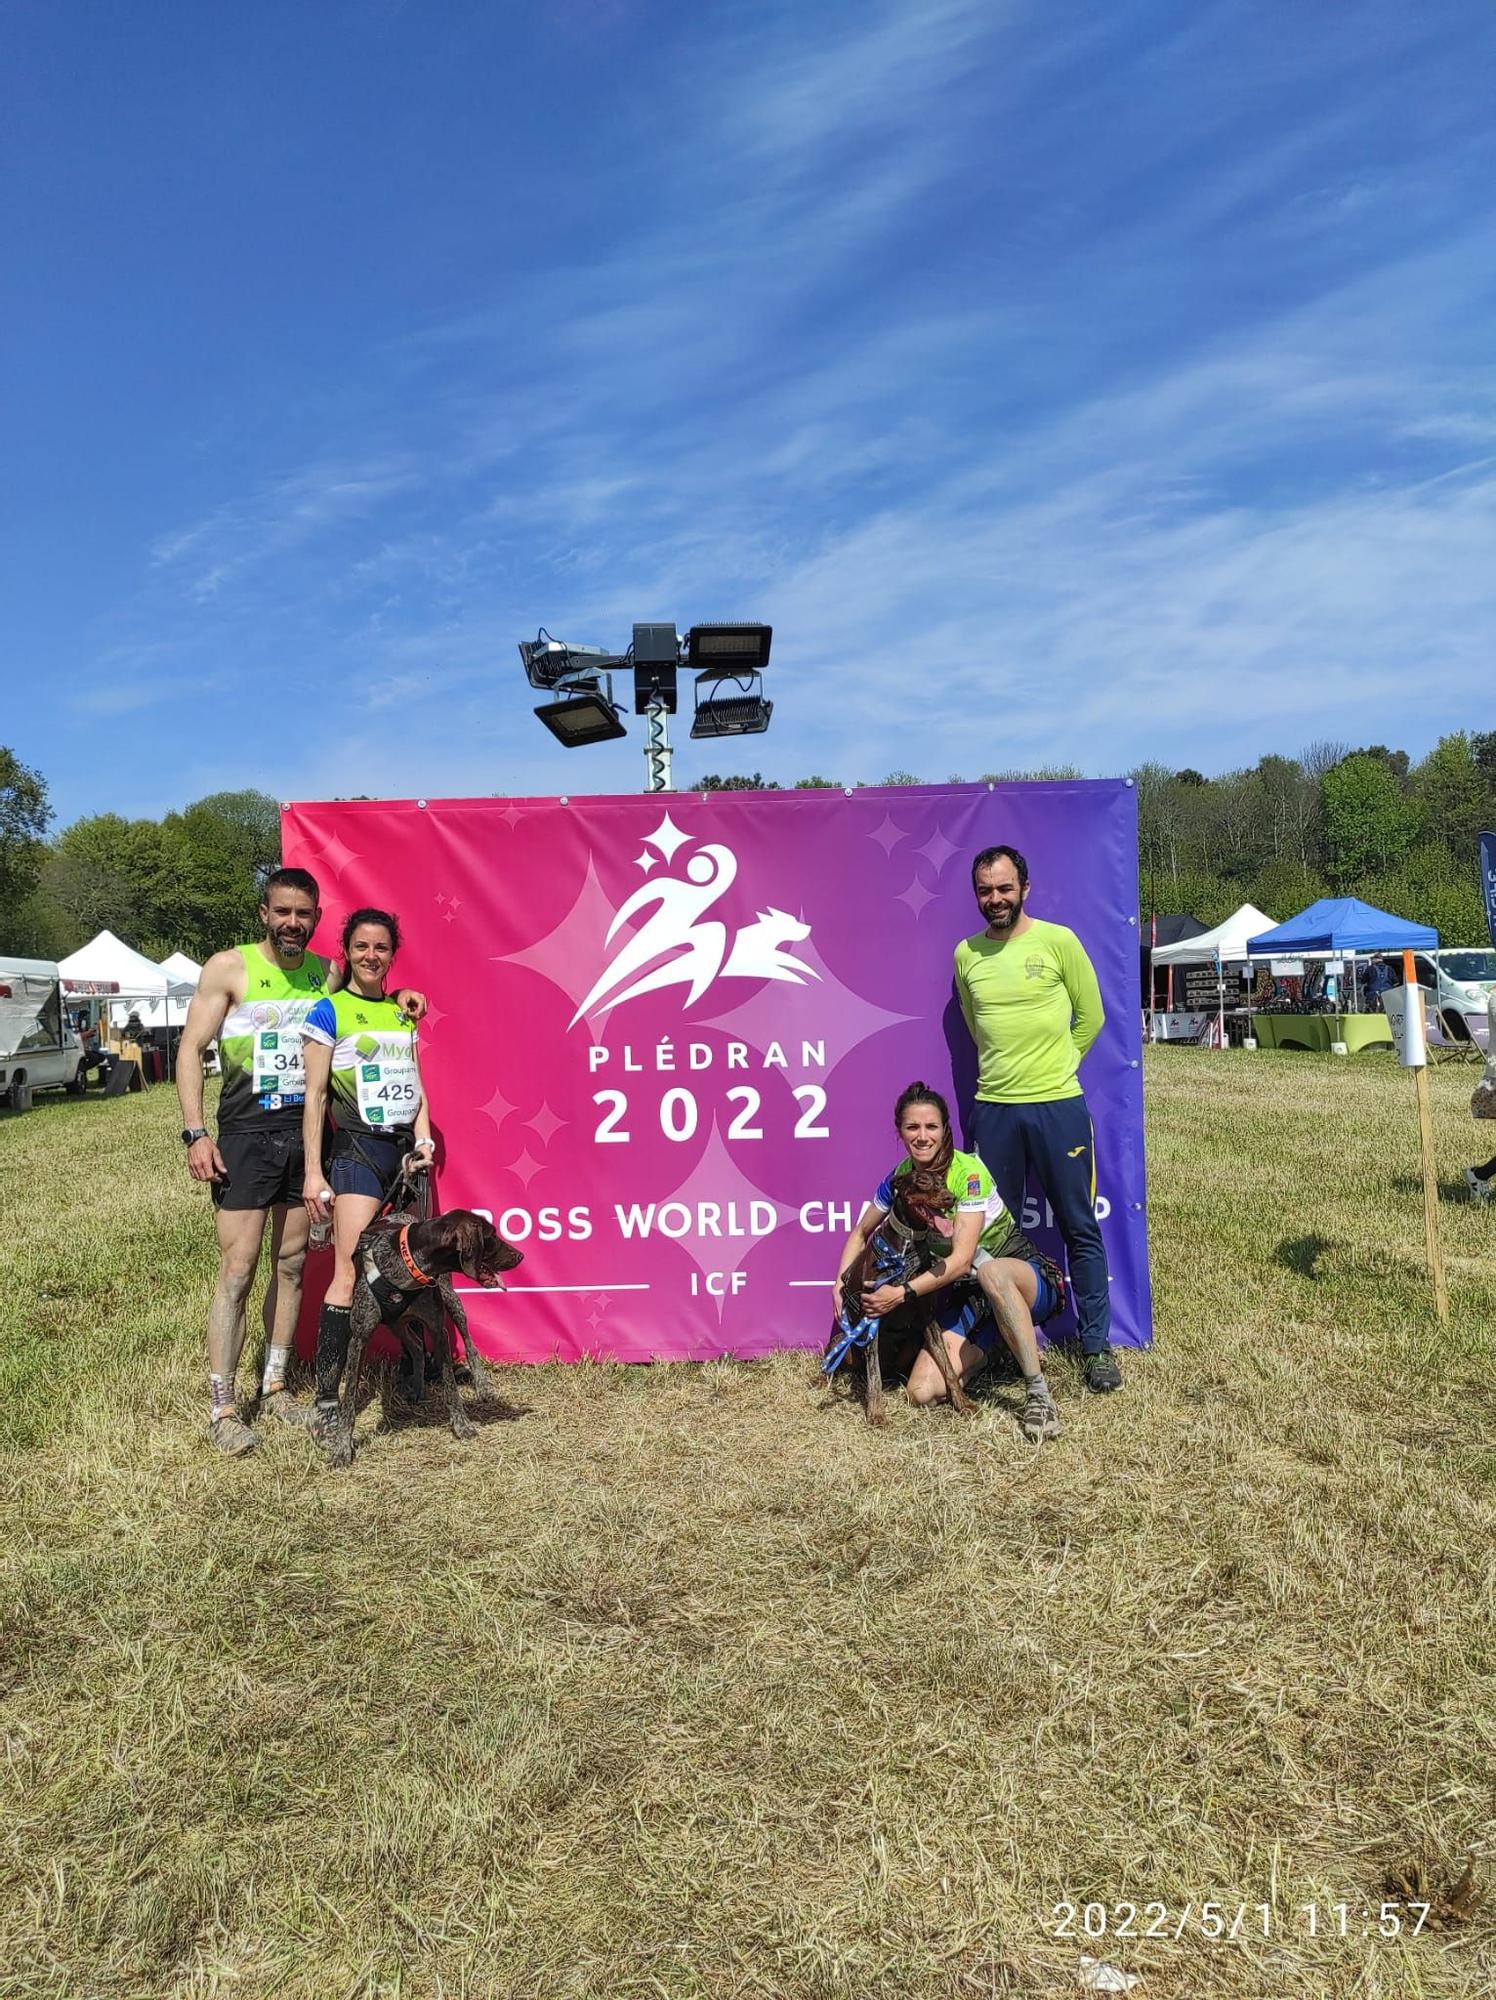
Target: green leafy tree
point(1456, 796)
point(757, 783)
point(24, 818)
point(817, 785)
point(219, 851)
point(1371, 821)
point(109, 873)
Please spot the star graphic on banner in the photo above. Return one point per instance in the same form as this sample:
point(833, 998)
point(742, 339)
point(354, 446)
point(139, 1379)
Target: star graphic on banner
point(497, 1108)
point(568, 955)
point(667, 837)
point(544, 1124)
point(719, 1176)
point(887, 835)
point(337, 855)
point(916, 896)
point(829, 1012)
point(647, 861)
point(432, 1016)
point(525, 1168)
point(510, 816)
point(937, 850)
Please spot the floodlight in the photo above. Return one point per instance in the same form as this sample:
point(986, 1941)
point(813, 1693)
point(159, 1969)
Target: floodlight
point(548, 662)
point(744, 714)
point(584, 714)
point(728, 649)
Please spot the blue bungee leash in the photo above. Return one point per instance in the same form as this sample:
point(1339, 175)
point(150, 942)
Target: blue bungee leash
point(888, 1269)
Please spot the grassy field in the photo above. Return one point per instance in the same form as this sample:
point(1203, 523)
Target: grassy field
point(682, 1682)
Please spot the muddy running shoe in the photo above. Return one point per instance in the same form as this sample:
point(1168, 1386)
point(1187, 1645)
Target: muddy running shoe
point(283, 1406)
point(1480, 1190)
point(1101, 1373)
point(232, 1435)
point(1039, 1419)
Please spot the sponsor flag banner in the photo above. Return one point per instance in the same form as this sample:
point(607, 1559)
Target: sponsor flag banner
point(667, 1032)
point(1488, 880)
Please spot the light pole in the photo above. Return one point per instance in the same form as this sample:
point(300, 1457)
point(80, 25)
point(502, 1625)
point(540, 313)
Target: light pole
point(580, 680)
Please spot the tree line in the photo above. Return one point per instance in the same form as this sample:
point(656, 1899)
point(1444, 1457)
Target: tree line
point(1365, 822)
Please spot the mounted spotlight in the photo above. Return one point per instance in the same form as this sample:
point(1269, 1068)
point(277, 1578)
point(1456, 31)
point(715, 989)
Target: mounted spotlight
point(548, 662)
point(584, 714)
point(728, 649)
point(743, 714)
point(656, 654)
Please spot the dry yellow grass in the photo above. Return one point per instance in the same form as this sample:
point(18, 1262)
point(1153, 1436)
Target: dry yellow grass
point(682, 1682)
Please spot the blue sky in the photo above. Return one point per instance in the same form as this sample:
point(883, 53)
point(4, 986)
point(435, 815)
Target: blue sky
point(1064, 382)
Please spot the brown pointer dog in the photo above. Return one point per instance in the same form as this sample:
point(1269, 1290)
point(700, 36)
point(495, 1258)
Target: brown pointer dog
point(902, 1245)
point(405, 1267)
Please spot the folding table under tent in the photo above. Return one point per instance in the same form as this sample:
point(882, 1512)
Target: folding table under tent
point(1223, 946)
point(1335, 927)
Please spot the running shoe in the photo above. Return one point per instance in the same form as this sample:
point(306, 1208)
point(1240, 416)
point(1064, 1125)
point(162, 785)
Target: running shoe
point(1479, 1190)
point(232, 1435)
point(283, 1406)
point(1101, 1373)
point(1039, 1419)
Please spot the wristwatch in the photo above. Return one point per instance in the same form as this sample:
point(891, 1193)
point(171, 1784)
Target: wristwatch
point(192, 1133)
point(909, 1293)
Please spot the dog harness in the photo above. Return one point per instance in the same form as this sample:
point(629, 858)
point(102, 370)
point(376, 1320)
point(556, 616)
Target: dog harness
point(389, 1293)
point(891, 1260)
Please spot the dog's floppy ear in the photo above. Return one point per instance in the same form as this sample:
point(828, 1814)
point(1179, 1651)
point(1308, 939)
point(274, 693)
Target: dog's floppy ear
point(466, 1241)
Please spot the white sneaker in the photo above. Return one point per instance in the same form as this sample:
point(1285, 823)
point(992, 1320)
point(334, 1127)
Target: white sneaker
point(1479, 1190)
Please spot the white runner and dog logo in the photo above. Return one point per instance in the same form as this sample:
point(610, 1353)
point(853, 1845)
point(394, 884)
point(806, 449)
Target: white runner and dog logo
point(678, 944)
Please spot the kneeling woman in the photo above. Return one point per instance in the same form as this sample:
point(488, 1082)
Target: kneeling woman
point(364, 1047)
point(953, 1195)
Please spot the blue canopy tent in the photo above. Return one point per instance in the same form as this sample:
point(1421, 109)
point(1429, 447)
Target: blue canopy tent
point(1340, 925)
point(1336, 927)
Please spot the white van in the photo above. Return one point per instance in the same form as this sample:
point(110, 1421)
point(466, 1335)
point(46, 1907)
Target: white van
point(38, 1050)
point(1460, 979)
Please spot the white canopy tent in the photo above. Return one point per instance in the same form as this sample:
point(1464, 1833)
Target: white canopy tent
point(108, 965)
point(1226, 943)
point(182, 974)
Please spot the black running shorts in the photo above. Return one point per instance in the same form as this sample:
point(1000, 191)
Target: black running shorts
point(265, 1167)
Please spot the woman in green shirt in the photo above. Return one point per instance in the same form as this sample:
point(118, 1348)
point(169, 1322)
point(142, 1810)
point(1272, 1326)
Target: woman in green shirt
point(360, 1050)
point(1016, 1287)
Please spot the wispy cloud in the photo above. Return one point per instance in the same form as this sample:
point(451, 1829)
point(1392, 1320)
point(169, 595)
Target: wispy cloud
point(1062, 385)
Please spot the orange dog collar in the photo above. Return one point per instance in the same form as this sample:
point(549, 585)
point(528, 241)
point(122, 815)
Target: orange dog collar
point(410, 1263)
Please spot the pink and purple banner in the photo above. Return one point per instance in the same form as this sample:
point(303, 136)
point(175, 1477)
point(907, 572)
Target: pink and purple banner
point(666, 1033)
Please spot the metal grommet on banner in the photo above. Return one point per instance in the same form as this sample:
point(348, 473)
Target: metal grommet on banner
point(846, 791)
point(1132, 920)
point(420, 805)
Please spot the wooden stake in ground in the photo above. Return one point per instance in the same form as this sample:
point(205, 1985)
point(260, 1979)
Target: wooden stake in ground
point(1412, 1053)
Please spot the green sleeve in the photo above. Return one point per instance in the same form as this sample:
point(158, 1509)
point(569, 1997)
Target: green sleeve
point(962, 995)
point(1085, 994)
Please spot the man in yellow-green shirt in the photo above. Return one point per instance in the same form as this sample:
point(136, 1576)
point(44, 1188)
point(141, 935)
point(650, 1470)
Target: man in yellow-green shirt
point(1030, 998)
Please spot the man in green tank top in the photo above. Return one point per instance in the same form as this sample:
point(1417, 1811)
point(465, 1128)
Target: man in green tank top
point(253, 999)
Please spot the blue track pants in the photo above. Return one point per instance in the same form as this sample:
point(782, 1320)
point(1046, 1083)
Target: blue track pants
point(1056, 1141)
